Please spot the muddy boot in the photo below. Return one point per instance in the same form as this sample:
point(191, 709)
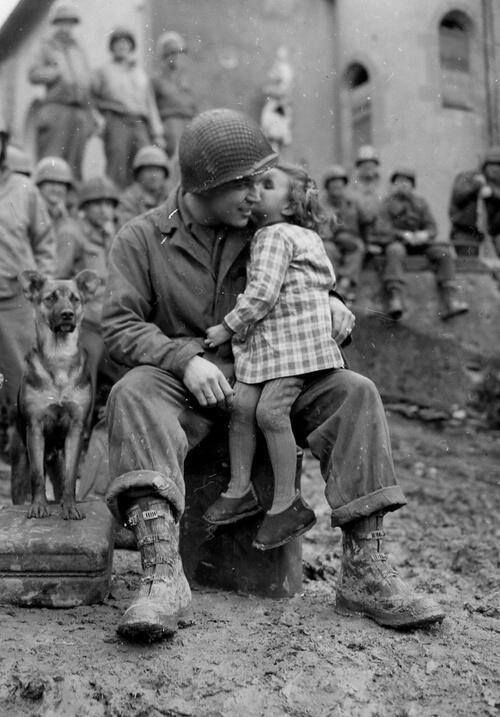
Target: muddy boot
point(452, 305)
point(371, 587)
point(395, 304)
point(164, 598)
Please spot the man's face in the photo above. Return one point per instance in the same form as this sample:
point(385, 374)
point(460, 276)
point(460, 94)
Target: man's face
point(368, 171)
point(401, 184)
point(492, 173)
point(121, 48)
point(65, 27)
point(152, 179)
point(54, 193)
point(232, 203)
point(100, 212)
point(336, 188)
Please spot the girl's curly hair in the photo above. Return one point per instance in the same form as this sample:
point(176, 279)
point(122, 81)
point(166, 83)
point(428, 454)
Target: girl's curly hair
point(304, 197)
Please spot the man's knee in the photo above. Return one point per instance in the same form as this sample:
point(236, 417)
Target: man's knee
point(395, 249)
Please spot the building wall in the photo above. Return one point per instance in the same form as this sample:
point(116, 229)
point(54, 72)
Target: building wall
point(398, 41)
point(233, 45)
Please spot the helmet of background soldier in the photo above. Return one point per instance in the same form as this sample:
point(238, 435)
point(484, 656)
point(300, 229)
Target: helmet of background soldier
point(19, 161)
point(97, 188)
point(122, 33)
point(406, 172)
point(151, 156)
point(336, 171)
point(170, 43)
point(367, 153)
point(65, 12)
point(220, 146)
point(53, 169)
point(492, 156)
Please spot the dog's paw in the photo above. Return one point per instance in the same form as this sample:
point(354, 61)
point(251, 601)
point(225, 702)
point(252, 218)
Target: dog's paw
point(38, 510)
point(69, 511)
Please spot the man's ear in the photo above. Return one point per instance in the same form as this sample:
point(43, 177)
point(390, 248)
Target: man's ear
point(32, 282)
point(87, 282)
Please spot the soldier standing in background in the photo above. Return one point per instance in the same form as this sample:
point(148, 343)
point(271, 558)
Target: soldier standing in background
point(26, 242)
point(342, 231)
point(54, 179)
point(174, 97)
point(65, 120)
point(150, 188)
point(123, 93)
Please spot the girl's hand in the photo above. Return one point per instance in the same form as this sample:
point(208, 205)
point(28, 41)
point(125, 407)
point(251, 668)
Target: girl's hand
point(217, 335)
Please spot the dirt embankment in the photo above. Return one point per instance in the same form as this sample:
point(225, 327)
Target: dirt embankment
point(266, 658)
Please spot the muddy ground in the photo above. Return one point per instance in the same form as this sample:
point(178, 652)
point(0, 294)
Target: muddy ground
point(255, 657)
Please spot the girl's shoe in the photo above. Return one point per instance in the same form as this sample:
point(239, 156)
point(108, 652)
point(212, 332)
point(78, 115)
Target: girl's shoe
point(280, 528)
point(229, 510)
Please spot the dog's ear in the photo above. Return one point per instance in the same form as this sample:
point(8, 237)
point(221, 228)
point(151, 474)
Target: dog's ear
point(87, 282)
point(32, 282)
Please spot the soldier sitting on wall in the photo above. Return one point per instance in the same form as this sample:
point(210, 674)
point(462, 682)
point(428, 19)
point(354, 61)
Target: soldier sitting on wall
point(405, 225)
point(150, 188)
point(475, 203)
point(342, 231)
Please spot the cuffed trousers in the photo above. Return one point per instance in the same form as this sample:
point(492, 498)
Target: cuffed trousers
point(153, 422)
point(441, 258)
point(63, 131)
point(123, 137)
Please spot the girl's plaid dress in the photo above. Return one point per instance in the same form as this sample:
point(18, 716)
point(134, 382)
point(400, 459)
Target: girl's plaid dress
point(282, 322)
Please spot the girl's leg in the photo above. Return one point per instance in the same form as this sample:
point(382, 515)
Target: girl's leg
point(242, 438)
point(273, 418)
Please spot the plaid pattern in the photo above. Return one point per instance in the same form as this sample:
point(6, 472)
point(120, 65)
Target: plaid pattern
point(219, 146)
point(282, 322)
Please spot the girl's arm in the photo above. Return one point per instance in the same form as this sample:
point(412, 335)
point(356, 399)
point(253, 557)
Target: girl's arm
point(271, 254)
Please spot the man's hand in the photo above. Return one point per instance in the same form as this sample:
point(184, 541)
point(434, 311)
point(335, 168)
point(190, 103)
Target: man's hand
point(407, 237)
point(207, 383)
point(343, 320)
point(217, 335)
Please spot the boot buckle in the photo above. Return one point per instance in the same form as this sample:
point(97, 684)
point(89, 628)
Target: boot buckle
point(151, 514)
point(373, 535)
point(151, 539)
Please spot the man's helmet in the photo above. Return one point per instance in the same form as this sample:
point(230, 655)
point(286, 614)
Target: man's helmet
point(19, 161)
point(404, 172)
point(336, 171)
point(97, 188)
point(170, 43)
point(219, 146)
point(367, 153)
point(151, 156)
point(122, 33)
point(65, 12)
point(53, 169)
point(492, 156)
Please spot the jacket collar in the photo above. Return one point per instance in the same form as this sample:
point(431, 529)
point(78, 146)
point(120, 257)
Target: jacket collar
point(168, 220)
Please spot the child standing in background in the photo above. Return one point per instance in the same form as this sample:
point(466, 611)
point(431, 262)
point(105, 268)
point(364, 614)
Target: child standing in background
point(281, 333)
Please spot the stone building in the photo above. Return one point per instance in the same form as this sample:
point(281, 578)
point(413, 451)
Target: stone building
point(416, 78)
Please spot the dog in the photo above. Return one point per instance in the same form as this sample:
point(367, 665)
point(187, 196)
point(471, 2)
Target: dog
point(55, 396)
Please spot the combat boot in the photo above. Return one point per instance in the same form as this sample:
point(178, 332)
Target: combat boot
point(370, 586)
point(452, 305)
point(163, 601)
point(395, 304)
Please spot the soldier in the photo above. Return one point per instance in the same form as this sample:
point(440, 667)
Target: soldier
point(98, 199)
point(174, 272)
point(174, 97)
point(66, 120)
point(26, 242)
point(475, 203)
point(406, 225)
point(342, 231)
point(123, 94)
point(150, 188)
point(18, 161)
point(367, 188)
point(54, 179)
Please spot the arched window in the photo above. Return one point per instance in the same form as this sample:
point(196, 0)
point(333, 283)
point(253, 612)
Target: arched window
point(357, 106)
point(455, 32)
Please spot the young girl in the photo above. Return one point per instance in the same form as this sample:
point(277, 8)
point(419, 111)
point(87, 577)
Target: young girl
point(281, 333)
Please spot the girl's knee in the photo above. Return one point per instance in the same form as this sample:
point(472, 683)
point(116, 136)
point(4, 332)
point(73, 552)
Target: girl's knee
point(270, 419)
